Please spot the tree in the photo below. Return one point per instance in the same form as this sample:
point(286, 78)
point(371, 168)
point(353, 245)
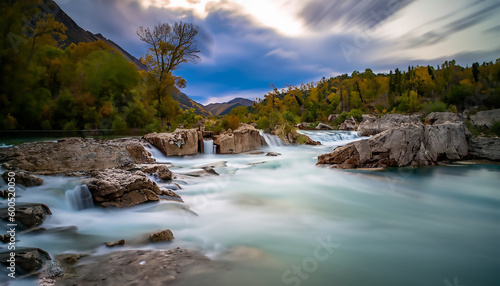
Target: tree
point(169, 46)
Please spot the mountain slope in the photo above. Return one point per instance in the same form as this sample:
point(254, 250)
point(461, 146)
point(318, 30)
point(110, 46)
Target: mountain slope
point(75, 34)
point(226, 107)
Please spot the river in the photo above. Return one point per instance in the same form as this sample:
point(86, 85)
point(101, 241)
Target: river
point(285, 221)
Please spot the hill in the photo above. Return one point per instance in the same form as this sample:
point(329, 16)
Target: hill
point(226, 107)
point(186, 103)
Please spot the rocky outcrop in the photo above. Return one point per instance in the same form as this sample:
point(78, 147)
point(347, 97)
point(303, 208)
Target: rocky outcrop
point(245, 138)
point(160, 171)
point(332, 117)
point(349, 124)
point(28, 215)
point(164, 235)
point(484, 148)
point(415, 145)
point(372, 126)
point(24, 178)
point(322, 126)
point(119, 188)
point(181, 142)
point(486, 118)
point(28, 260)
point(136, 267)
point(74, 155)
point(435, 118)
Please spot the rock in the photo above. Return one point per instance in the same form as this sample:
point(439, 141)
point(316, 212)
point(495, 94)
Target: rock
point(181, 142)
point(368, 117)
point(245, 138)
point(164, 235)
point(53, 269)
point(28, 215)
point(484, 148)
point(119, 188)
point(137, 267)
point(444, 117)
point(28, 260)
point(371, 127)
point(171, 195)
point(322, 126)
point(303, 126)
point(274, 154)
point(486, 118)
point(69, 259)
point(160, 171)
point(4, 194)
point(75, 155)
point(120, 242)
point(24, 178)
point(413, 145)
point(349, 124)
point(205, 171)
point(332, 117)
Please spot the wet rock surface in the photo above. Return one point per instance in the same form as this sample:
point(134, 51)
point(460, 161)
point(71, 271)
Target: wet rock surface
point(28, 261)
point(24, 178)
point(27, 216)
point(136, 267)
point(74, 155)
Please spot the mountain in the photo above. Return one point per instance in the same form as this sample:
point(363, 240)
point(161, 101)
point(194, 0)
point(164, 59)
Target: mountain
point(226, 107)
point(76, 34)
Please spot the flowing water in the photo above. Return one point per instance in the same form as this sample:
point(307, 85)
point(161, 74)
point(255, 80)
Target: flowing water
point(285, 221)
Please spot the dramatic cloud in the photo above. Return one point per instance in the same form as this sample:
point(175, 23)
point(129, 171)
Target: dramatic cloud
point(248, 45)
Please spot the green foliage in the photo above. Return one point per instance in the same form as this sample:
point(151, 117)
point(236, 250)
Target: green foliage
point(231, 122)
point(496, 129)
point(357, 114)
point(263, 123)
point(119, 125)
point(435, 107)
point(289, 117)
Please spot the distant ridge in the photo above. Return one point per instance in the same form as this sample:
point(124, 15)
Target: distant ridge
point(226, 107)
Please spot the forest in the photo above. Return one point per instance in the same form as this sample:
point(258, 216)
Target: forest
point(83, 86)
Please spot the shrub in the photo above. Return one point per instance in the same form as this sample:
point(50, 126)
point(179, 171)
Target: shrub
point(496, 128)
point(119, 125)
point(289, 117)
point(357, 114)
point(437, 106)
point(232, 122)
point(263, 123)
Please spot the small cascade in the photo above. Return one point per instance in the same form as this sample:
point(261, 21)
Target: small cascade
point(332, 137)
point(80, 198)
point(209, 147)
point(271, 140)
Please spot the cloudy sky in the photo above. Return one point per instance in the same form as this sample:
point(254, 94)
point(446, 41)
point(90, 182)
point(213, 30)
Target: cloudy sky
point(247, 45)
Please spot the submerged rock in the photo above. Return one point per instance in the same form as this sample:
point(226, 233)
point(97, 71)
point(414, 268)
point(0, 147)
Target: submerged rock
point(75, 155)
point(164, 235)
point(273, 154)
point(484, 148)
point(28, 260)
point(119, 188)
point(28, 215)
point(415, 145)
point(120, 242)
point(136, 267)
point(245, 138)
point(205, 171)
point(24, 178)
point(486, 119)
point(181, 142)
point(372, 125)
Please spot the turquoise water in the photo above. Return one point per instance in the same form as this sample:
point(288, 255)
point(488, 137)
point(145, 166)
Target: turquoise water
point(286, 221)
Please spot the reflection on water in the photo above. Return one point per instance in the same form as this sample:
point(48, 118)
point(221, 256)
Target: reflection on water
point(397, 227)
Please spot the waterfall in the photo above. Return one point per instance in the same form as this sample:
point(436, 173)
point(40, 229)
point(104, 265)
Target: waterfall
point(80, 198)
point(209, 147)
point(271, 140)
point(334, 137)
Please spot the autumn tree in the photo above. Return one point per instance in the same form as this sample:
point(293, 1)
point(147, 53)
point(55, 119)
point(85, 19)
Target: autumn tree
point(169, 46)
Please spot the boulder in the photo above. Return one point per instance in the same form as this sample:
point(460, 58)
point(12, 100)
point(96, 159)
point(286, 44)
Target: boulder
point(349, 124)
point(245, 138)
point(444, 117)
point(28, 260)
point(24, 178)
point(75, 155)
point(373, 126)
point(120, 242)
point(413, 145)
point(120, 188)
point(273, 154)
point(28, 215)
point(171, 195)
point(160, 171)
point(164, 235)
point(322, 126)
point(484, 148)
point(486, 118)
point(181, 142)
